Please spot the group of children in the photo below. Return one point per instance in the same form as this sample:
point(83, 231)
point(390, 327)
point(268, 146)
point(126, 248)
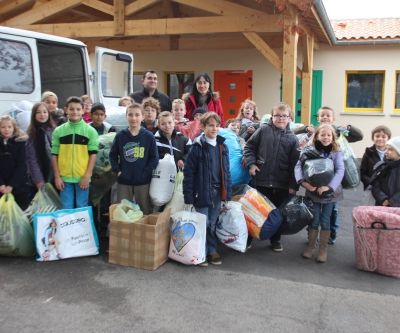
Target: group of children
point(65, 155)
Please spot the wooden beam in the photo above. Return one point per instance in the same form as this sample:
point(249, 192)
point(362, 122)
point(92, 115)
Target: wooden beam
point(100, 5)
point(156, 27)
point(119, 17)
point(8, 6)
point(306, 87)
point(138, 5)
point(316, 16)
point(264, 49)
point(290, 41)
point(220, 7)
point(41, 12)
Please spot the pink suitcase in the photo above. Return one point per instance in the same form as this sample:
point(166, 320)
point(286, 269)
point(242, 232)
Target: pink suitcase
point(377, 239)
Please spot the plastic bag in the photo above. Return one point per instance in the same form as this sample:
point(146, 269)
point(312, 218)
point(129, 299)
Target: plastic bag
point(319, 171)
point(163, 181)
point(127, 211)
point(352, 176)
point(46, 200)
point(16, 234)
point(239, 174)
point(231, 228)
point(177, 202)
point(64, 234)
point(262, 217)
point(103, 177)
point(188, 238)
point(296, 214)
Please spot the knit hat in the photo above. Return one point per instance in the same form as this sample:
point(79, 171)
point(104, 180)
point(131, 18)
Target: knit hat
point(395, 143)
point(198, 110)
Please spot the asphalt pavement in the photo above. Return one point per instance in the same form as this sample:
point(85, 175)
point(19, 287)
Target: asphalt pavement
point(259, 291)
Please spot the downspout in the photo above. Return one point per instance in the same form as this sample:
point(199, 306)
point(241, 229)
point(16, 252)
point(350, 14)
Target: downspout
point(319, 6)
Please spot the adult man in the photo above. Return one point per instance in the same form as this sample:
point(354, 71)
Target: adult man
point(149, 82)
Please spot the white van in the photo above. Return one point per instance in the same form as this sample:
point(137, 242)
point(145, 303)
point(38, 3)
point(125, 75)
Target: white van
point(31, 63)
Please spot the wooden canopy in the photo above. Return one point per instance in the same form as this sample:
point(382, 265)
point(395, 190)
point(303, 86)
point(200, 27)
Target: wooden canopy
point(273, 27)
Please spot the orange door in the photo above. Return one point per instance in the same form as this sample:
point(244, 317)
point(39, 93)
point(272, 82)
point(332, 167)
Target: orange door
point(234, 87)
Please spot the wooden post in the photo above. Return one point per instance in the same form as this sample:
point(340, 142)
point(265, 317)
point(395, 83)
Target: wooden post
point(289, 64)
point(119, 17)
point(306, 88)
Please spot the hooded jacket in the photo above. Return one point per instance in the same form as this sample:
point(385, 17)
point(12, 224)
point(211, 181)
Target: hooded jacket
point(386, 185)
point(214, 104)
point(197, 181)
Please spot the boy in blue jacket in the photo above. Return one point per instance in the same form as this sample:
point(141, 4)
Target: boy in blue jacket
point(133, 157)
point(207, 180)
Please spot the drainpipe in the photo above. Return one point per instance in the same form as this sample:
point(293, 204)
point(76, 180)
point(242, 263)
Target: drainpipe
point(319, 6)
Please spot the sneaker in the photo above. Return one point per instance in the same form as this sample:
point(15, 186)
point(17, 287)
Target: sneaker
point(332, 238)
point(203, 264)
point(276, 247)
point(215, 259)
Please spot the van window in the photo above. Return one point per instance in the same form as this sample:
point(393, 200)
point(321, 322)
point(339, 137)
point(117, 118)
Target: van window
point(62, 70)
point(112, 70)
point(15, 67)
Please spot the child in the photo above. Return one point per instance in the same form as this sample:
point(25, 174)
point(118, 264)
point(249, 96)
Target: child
point(375, 153)
point(271, 154)
point(151, 109)
point(233, 125)
point(386, 185)
point(74, 148)
point(323, 197)
point(12, 161)
point(249, 120)
point(133, 157)
point(207, 179)
point(38, 146)
point(190, 129)
point(87, 106)
point(169, 141)
point(125, 101)
point(98, 115)
point(179, 111)
point(51, 101)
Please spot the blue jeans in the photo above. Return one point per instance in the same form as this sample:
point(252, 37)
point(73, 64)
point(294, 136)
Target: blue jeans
point(334, 219)
point(212, 213)
point(322, 216)
point(73, 196)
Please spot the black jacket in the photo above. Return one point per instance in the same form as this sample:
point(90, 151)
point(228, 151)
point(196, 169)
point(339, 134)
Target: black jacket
point(275, 152)
point(353, 134)
point(179, 145)
point(165, 102)
point(386, 186)
point(13, 171)
point(369, 159)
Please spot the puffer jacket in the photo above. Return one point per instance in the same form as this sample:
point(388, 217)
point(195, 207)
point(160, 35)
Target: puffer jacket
point(275, 152)
point(369, 159)
point(386, 184)
point(197, 183)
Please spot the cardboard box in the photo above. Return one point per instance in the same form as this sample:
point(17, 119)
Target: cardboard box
point(142, 244)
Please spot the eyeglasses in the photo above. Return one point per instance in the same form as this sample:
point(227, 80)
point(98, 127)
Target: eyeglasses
point(282, 116)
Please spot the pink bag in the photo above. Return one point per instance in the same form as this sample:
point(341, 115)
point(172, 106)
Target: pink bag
point(377, 239)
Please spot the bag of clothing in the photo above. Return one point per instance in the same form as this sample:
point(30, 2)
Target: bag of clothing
point(127, 211)
point(231, 228)
point(16, 234)
point(163, 181)
point(319, 171)
point(352, 175)
point(188, 238)
point(262, 217)
point(177, 202)
point(103, 177)
point(296, 214)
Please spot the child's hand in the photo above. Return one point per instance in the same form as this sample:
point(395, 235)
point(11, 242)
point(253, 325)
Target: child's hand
point(308, 187)
point(323, 189)
point(2, 188)
point(59, 183)
point(251, 130)
point(386, 203)
point(39, 185)
point(84, 183)
point(253, 169)
point(180, 164)
point(310, 130)
point(8, 189)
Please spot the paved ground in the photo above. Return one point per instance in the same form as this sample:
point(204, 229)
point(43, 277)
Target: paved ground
point(259, 291)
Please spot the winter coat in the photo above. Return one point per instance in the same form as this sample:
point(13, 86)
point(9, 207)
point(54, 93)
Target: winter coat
point(369, 159)
point(275, 152)
point(334, 184)
point(386, 185)
point(197, 181)
point(213, 105)
point(352, 133)
point(178, 146)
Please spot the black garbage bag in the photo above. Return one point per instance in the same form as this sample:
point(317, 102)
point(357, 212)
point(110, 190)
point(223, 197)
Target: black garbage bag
point(296, 214)
point(318, 172)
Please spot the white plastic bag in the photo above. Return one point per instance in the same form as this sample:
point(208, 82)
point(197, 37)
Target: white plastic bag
point(177, 202)
point(64, 234)
point(163, 181)
point(231, 228)
point(188, 238)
